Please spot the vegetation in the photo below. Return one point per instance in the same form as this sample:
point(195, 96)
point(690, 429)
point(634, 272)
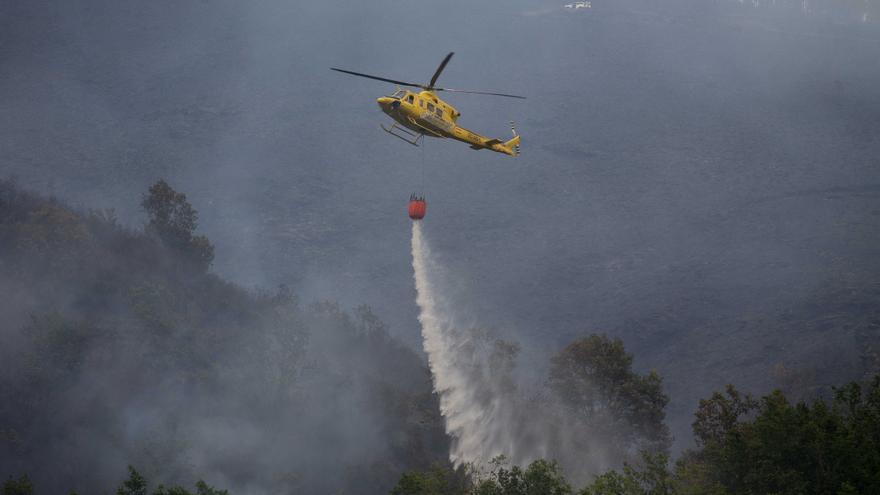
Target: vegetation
point(773, 446)
point(173, 220)
point(539, 478)
point(440, 479)
point(121, 347)
point(745, 446)
point(134, 485)
point(126, 348)
point(594, 379)
point(20, 486)
point(137, 485)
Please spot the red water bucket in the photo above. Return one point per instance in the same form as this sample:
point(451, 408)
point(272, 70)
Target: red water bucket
point(417, 207)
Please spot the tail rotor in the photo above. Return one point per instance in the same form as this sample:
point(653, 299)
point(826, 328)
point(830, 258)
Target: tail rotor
point(515, 140)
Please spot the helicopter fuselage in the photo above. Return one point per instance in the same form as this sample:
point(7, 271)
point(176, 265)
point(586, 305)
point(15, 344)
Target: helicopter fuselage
point(427, 115)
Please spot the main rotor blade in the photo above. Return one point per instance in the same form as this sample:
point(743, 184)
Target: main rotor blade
point(440, 69)
point(478, 93)
point(401, 83)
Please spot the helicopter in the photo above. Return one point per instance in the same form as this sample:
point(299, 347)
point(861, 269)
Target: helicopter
point(420, 114)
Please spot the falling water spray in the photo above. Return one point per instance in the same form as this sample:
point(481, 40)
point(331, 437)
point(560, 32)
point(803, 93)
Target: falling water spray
point(474, 414)
point(484, 416)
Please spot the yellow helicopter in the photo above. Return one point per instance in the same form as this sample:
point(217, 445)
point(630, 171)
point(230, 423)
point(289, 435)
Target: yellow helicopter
point(421, 114)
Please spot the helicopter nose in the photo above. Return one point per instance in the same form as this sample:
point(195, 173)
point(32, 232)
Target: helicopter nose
point(384, 102)
point(388, 104)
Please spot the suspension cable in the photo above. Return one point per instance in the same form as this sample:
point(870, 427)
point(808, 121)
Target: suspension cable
point(423, 166)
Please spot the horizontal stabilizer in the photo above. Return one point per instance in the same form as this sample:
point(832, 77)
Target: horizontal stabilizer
point(488, 144)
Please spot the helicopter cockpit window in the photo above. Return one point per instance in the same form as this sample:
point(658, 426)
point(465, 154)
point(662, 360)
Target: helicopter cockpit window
point(409, 98)
point(398, 94)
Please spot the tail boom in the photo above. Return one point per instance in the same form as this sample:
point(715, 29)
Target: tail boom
point(478, 142)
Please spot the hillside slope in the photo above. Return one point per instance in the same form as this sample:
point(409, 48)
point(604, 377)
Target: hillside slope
point(120, 347)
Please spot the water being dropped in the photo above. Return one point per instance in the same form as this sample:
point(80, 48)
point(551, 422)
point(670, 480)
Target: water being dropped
point(472, 412)
point(486, 413)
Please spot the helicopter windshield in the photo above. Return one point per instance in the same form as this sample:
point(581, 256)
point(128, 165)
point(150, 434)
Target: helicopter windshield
point(398, 94)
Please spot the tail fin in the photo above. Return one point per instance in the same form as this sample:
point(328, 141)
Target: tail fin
point(513, 143)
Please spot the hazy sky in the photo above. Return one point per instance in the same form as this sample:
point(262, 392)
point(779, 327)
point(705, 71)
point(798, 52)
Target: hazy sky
point(691, 171)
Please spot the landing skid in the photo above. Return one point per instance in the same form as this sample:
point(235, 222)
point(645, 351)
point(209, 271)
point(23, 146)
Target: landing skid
point(414, 138)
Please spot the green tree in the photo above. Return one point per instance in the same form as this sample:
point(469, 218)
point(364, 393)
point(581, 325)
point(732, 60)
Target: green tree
point(134, 485)
point(439, 479)
point(174, 220)
point(613, 483)
point(20, 486)
point(594, 378)
point(137, 485)
point(774, 446)
point(174, 490)
point(719, 415)
point(202, 488)
point(541, 477)
point(651, 477)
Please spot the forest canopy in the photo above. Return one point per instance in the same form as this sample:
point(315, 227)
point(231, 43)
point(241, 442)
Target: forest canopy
point(744, 446)
point(123, 349)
